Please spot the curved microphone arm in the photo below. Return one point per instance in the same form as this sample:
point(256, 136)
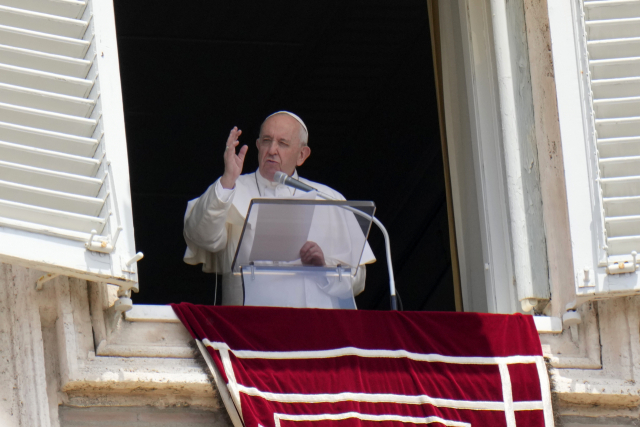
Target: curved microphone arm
point(387, 244)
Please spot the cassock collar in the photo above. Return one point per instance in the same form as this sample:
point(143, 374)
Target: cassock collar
point(264, 183)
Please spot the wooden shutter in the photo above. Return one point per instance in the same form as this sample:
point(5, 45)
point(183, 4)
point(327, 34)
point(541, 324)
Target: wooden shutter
point(65, 202)
point(612, 30)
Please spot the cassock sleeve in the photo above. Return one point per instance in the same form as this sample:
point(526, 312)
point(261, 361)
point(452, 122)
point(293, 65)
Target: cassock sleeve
point(205, 230)
point(359, 279)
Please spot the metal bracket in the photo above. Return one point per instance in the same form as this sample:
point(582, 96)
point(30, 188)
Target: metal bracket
point(44, 279)
point(96, 245)
point(137, 257)
point(339, 268)
point(252, 267)
point(123, 303)
point(624, 265)
point(127, 266)
point(571, 317)
point(587, 279)
point(528, 304)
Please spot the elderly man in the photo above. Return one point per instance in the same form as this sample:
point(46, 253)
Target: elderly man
point(213, 222)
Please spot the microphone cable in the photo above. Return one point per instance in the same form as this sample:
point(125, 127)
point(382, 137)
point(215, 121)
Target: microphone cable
point(215, 292)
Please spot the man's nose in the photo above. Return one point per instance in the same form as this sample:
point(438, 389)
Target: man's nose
point(273, 148)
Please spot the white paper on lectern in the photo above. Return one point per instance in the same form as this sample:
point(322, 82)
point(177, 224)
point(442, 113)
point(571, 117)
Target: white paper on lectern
point(279, 234)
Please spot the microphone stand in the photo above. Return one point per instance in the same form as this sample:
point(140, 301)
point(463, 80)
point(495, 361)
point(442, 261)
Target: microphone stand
point(387, 244)
point(306, 188)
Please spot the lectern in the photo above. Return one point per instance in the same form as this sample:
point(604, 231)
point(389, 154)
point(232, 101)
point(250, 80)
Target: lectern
point(268, 254)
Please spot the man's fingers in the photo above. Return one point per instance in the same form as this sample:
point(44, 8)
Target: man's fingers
point(304, 251)
point(229, 152)
point(314, 257)
point(316, 253)
point(242, 152)
point(232, 142)
point(311, 253)
point(229, 144)
point(307, 259)
point(233, 137)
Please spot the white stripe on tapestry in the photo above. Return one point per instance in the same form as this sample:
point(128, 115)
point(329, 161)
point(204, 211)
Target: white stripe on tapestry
point(387, 398)
point(353, 351)
point(368, 417)
point(507, 395)
point(231, 376)
point(546, 393)
point(221, 386)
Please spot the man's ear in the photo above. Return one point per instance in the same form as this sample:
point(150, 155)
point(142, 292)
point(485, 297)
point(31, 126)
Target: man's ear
point(258, 144)
point(304, 154)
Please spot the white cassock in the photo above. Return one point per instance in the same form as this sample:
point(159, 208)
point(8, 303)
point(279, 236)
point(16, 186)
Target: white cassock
point(212, 229)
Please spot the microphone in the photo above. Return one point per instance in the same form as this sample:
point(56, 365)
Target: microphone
point(284, 179)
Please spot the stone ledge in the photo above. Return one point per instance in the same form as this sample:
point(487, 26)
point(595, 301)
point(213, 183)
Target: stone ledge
point(151, 313)
point(613, 393)
point(548, 325)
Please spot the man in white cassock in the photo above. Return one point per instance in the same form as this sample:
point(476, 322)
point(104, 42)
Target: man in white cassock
point(213, 222)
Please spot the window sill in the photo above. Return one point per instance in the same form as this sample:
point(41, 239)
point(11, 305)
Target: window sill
point(548, 325)
point(165, 314)
point(151, 313)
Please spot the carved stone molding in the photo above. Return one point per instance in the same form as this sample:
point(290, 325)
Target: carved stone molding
point(577, 347)
point(23, 395)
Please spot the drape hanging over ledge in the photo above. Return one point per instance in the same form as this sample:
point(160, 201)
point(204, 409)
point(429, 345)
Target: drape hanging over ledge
point(288, 367)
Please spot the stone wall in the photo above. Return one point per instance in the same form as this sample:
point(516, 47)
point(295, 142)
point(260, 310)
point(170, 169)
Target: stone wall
point(64, 347)
point(596, 365)
point(137, 416)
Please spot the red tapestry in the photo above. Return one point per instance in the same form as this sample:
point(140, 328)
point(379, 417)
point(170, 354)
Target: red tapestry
point(288, 367)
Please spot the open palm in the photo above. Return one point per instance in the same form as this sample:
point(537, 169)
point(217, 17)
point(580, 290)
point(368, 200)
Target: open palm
point(233, 162)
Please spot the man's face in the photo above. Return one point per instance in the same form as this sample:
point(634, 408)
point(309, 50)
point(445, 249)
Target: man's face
point(279, 147)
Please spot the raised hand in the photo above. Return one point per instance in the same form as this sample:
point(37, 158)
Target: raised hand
point(233, 162)
point(311, 254)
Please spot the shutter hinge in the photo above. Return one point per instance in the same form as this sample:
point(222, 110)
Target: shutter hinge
point(43, 279)
point(98, 245)
point(624, 264)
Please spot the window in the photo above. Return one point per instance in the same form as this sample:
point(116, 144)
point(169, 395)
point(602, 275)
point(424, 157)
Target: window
point(358, 73)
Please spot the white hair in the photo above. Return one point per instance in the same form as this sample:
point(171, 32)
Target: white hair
point(304, 136)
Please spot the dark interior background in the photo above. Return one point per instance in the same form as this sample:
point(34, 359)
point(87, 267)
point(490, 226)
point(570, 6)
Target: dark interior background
point(359, 73)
